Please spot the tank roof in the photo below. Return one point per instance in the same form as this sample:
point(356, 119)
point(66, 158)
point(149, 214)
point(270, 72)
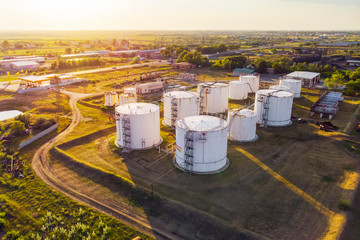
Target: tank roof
point(245, 112)
point(291, 80)
point(180, 94)
point(213, 84)
point(137, 108)
point(275, 93)
point(202, 123)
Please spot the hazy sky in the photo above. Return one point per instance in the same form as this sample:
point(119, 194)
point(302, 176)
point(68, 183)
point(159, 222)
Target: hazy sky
point(180, 14)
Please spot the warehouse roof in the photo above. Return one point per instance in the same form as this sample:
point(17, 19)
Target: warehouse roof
point(303, 75)
point(24, 63)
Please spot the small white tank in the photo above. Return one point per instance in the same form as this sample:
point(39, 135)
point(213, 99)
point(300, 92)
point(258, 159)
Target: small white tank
point(201, 144)
point(213, 97)
point(294, 85)
point(242, 125)
point(179, 104)
point(273, 107)
point(137, 126)
point(127, 98)
point(238, 90)
point(252, 81)
point(110, 99)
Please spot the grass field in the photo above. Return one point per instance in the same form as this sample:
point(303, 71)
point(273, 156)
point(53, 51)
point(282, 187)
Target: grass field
point(26, 204)
point(286, 185)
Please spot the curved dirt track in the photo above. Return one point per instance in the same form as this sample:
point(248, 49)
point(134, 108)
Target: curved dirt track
point(43, 169)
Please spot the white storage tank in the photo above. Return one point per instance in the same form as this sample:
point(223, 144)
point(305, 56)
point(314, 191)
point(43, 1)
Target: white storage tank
point(294, 85)
point(253, 82)
point(242, 125)
point(238, 90)
point(137, 126)
point(273, 107)
point(110, 99)
point(179, 104)
point(201, 144)
point(127, 98)
point(213, 97)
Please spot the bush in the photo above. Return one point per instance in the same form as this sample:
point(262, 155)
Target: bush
point(17, 128)
point(43, 123)
point(12, 235)
point(344, 205)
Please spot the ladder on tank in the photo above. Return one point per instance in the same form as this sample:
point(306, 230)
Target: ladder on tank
point(126, 132)
point(189, 151)
point(174, 113)
point(265, 114)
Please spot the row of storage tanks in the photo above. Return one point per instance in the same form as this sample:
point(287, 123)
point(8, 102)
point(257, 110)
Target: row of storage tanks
point(114, 98)
point(201, 140)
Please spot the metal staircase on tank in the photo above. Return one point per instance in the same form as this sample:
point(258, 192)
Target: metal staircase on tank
point(265, 114)
point(174, 111)
point(126, 132)
point(189, 151)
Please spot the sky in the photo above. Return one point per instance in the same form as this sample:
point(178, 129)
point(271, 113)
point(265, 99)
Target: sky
point(180, 15)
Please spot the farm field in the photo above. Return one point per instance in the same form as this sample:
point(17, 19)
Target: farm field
point(286, 185)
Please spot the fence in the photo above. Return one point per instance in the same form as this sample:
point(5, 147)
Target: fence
point(38, 136)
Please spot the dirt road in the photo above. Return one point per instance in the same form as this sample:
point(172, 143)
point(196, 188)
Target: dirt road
point(43, 169)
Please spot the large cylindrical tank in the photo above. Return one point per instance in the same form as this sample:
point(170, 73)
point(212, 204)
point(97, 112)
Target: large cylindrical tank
point(294, 85)
point(238, 90)
point(179, 104)
point(201, 144)
point(253, 82)
point(213, 97)
point(242, 125)
point(280, 87)
point(137, 126)
point(127, 98)
point(273, 107)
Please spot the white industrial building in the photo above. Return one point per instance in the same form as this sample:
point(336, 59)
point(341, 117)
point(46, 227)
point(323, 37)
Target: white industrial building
point(179, 104)
point(24, 65)
point(242, 125)
point(213, 97)
point(273, 107)
point(201, 144)
point(150, 87)
point(308, 79)
point(137, 126)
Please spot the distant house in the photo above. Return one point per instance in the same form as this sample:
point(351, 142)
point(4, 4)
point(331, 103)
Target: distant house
point(183, 65)
point(308, 79)
point(243, 71)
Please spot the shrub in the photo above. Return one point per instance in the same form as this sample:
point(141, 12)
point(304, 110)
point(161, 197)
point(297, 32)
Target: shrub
point(344, 205)
point(12, 235)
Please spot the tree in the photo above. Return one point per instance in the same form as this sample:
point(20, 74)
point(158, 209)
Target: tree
point(114, 42)
point(261, 65)
point(6, 44)
point(17, 127)
point(336, 80)
point(68, 50)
